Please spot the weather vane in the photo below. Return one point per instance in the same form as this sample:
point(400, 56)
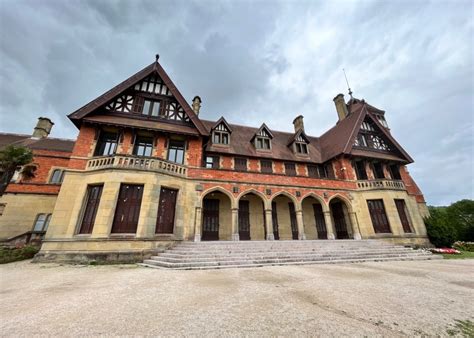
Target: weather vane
point(350, 91)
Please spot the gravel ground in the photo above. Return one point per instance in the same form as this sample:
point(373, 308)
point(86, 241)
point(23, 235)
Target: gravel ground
point(370, 299)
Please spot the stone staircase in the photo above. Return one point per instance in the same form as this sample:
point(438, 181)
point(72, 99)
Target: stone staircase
point(218, 255)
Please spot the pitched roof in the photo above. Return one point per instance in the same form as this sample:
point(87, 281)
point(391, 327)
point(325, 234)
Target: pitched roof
point(131, 81)
point(222, 120)
point(49, 143)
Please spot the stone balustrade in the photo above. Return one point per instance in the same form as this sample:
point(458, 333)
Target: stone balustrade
point(380, 184)
point(136, 163)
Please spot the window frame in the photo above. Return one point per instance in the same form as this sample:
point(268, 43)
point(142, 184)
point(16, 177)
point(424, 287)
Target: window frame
point(397, 172)
point(44, 222)
point(177, 150)
point(313, 170)
point(223, 137)
point(239, 164)
point(107, 144)
point(381, 213)
point(377, 170)
point(290, 169)
point(299, 146)
point(269, 164)
point(59, 179)
point(214, 164)
point(263, 143)
point(137, 144)
point(151, 107)
point(359, 175)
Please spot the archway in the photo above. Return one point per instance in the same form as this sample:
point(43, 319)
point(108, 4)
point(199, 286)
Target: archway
point(216, 216)
point(285, 226)
point(341, 219)
point(251, 220)
point(313, 218)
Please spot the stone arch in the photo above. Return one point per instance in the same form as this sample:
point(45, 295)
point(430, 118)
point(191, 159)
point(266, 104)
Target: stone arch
point(251, 215)
point(218, 189)
point(341, 210)
point(265, 200)
point(317, 198)
point(290, 196)
point(313, 209)
point(346, 201)
point(216, 216)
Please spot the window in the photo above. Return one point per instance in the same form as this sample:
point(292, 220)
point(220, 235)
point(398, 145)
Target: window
point(395, 172)
point(313, 171)
point(240, 164)
point(378, 216)
point(262, 143)
point(301, 148)
point(403, 214)
point(290, 169)
point(107, 144)
point(329, 170)
point(382, 121)
point(57, 176)
point(151, 108)
point(266, 166)
point(220, 137)
point(212, 162)
point(378, 170)
point(361, 141)
point(367, 126)
point(361, 173)
point(2, 208)
point(176, 151)
point(143, 146)
point(42, 222)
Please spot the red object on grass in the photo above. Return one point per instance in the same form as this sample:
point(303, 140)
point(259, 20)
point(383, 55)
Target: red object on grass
point(448, 251)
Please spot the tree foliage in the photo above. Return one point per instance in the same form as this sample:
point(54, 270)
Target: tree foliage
point(447, 225)
point(11, 159)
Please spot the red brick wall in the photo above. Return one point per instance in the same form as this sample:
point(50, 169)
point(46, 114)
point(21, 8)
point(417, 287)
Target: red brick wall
point(194, 152)
point(412, 188)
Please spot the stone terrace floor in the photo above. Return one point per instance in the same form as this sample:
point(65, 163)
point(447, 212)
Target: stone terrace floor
point(383, 299)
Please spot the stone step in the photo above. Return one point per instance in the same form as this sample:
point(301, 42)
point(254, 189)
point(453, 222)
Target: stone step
point(282, 243)
point(178, 251)
point(154, 264)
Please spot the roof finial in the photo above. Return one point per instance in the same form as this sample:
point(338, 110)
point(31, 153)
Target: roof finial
point(157, 57)
point(350, 91)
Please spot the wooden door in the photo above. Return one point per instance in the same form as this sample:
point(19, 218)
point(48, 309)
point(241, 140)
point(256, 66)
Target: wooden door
point(276, 235)
point(244, 220)
point(378, 216)
point(166, 211)
point(320, 221)
point(127, 211)
point(294, 224)
point(339, 220)
point(210, 222)
point(92, 205)
point(401, 207)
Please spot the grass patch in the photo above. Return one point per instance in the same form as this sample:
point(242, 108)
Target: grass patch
point(461, 328)
point(463, 255)
point(8, 255)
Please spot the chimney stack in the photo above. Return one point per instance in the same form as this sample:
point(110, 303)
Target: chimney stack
point(298, 123)
point(196, 104)
point(341, 106)
point(43, 128)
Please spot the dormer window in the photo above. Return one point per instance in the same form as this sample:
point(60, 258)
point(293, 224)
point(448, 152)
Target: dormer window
point(221, 132)
point(262, 143)
point(262, 139)
point(220, 137)
point(299, 143)
point(301, 148)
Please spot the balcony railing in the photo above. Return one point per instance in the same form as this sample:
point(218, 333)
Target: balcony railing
point(381, 184)
point(131, 162)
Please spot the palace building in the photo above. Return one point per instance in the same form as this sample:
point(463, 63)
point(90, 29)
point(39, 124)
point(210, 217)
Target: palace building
point(147, 170)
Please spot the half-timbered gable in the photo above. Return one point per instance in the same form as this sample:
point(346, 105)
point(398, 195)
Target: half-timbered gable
point(262, 139)
point(221, 132)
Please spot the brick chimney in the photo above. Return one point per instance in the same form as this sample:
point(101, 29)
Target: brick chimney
point(341, 106)
point(298, 123)
point(43, 128)
point(196, 104)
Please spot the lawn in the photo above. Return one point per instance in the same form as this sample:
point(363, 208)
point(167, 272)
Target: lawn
point(463, 255)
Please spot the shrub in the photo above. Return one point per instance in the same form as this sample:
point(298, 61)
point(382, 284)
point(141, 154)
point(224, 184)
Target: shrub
point(440, 231)
point(8, 255)
point(464, 246)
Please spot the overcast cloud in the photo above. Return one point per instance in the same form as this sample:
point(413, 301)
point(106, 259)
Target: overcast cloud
point(255, 62)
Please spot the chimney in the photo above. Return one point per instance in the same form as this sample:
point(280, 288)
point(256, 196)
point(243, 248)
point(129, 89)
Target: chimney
point(43, 128)
point(298, 123)
point(341, 106)
point(196, 104)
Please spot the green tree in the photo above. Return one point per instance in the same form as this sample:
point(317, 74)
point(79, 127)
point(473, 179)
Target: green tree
point(461, 216)
point(13, 158)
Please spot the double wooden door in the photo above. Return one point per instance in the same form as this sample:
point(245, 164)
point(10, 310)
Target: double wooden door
point(244, 220)
point(94, 193)
point(166, 211)
point(339, 220)
point(210, 220)
point(127, 211)
point(320, 222)
point(378, 216)
point(401, 208)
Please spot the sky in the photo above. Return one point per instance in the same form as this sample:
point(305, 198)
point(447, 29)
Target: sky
point(258, 61)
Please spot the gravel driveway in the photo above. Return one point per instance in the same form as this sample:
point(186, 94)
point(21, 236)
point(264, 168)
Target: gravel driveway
point(384, 299)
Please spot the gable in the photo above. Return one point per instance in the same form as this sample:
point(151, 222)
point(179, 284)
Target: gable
point(263, 131)
point(148, 94)
point(222, 125)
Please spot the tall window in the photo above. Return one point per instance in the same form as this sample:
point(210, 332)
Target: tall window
point(290, 169)
point(240, 164)
point(301, 148)
point(313, 171)
point(266, 166)
point(220, 137)
point(176, 151)
point(262, 143)
point(403, 214)
point(94, 193)
point(361, 173)
point(378, 170)
point(378, 216)
point(143, 146)
point(151, 108)
point(107, 144)
point(329, 170)
point(212, 162)
point(42, 222)
point(57, 176)
point(395, 172)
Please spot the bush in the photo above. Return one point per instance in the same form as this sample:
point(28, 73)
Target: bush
point(8, 255)
point(464, 246)
point(440, 231)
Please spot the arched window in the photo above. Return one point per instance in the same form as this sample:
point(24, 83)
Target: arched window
point(57, 176)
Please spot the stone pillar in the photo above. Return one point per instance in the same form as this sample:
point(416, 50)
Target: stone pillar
point(198, 224)
point(355, 226)
point(106, 212)
point(300, 223)
point(329, 225)
point(235, 224)
point(269, 225)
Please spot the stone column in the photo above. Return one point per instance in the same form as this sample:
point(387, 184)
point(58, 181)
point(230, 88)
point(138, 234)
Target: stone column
point(355, 226)
point(269, 225)
point(198, 224)
point(300, 223)
point(235, 224)
point(106, 212)
point(329, 225)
